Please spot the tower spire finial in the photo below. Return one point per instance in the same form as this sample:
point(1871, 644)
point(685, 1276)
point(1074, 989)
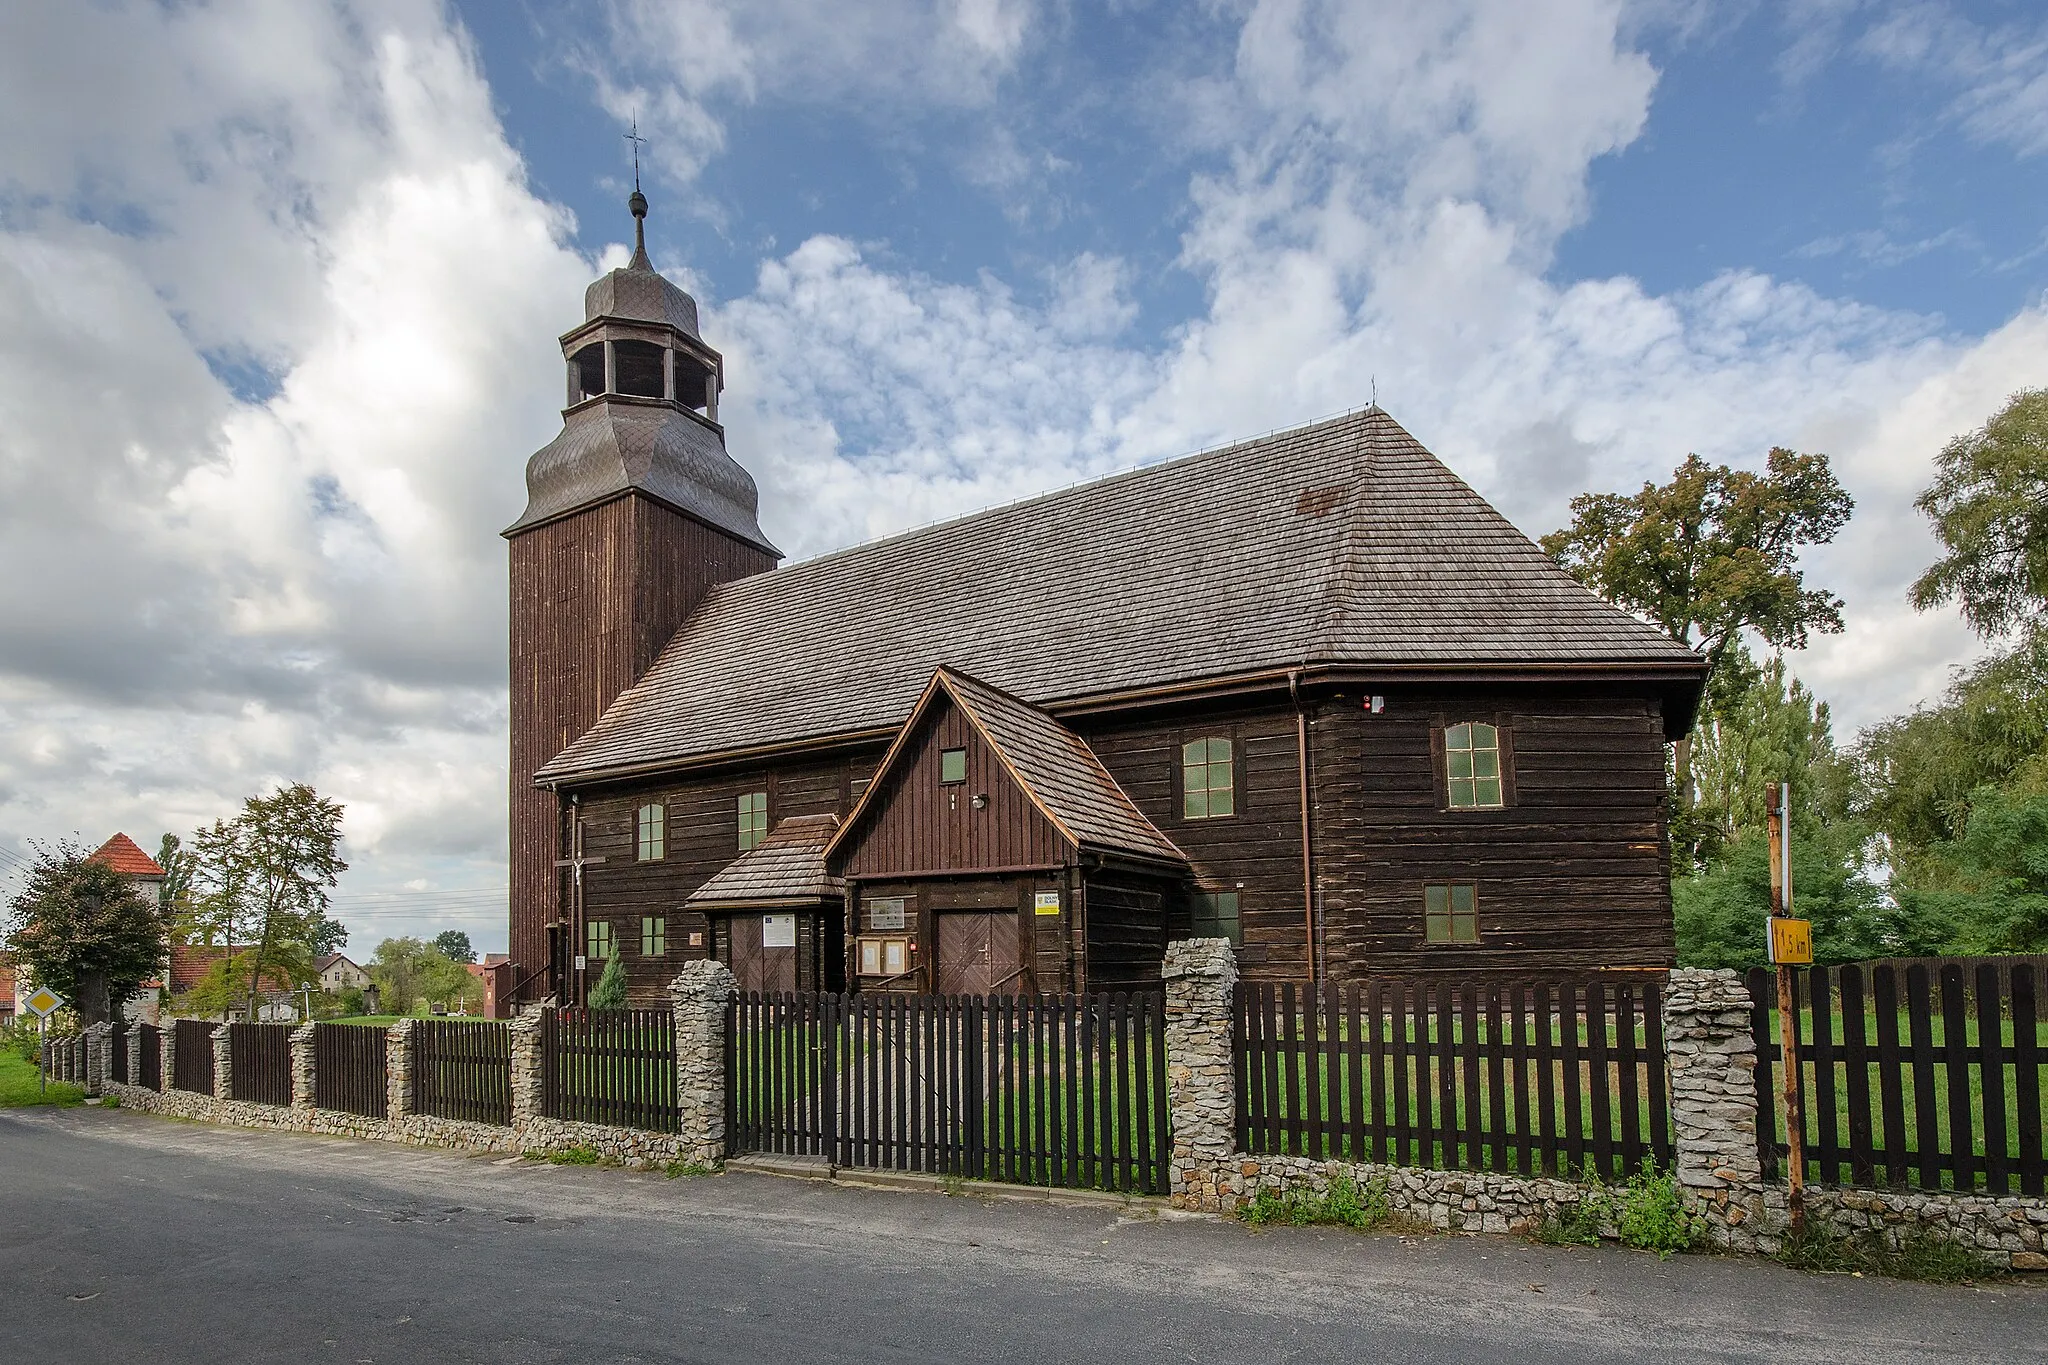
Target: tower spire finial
point(637, 204)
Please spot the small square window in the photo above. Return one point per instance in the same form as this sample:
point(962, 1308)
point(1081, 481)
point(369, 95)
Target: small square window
point(598, 936)
point(952, 765)
point(1450, 914)
point(1216, 916)
point(1208, 779)
point(653, 837)
point(753, 819)
point(1472, 774)
point(653, 936)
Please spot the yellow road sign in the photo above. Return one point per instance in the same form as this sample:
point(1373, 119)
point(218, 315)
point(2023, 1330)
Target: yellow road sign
point(1791, 942)
point(43, 1002)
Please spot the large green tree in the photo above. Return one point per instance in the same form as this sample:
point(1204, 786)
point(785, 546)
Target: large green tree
point(454, 945)
point(263, 879)
point(408, 971)
point(85, 931)
point(1710, 555)
point(1989, 506)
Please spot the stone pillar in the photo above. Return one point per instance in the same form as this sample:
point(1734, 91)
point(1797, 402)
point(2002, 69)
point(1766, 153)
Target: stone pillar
point(134, 1076)
point(398, 1094)
point(1712, 1059)
point(98, 1047)
point(302, 1067)
point(223, 1064)
point(528, 1103)
point(167, 1053)
point(1201, 1072)
point(699, 996)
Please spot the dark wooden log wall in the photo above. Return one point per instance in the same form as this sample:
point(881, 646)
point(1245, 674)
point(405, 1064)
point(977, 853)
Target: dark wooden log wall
point(1573, 875)
point(595, 596)
point(923, 825)
point(701, 835)
point(1126, 919)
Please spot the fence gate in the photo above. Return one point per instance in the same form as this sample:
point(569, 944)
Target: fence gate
point(1048, 1090)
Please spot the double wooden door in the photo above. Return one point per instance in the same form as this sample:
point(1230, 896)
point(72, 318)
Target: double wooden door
point(756, 967)
point(978, 953)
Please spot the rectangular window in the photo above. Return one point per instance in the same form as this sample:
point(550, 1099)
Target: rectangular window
point(653, 936)
point(952, 765)
point(1472, 766)
point(1216, 916)
point(1450, 914)
point(753, 819)
point(653, 840)
point(599, 945)
point(1208, 779)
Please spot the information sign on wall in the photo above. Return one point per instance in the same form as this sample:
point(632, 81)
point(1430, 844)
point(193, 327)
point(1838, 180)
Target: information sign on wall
point(778, 931)
point(1047, 903)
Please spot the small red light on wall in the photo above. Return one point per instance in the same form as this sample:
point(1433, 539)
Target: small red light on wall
point(1375, 705)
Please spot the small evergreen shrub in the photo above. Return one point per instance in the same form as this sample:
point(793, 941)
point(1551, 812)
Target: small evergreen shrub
point(610, 991)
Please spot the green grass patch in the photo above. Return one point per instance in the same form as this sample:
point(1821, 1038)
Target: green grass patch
point(20, 1086)
point(575, 1156)
point(1923, 1257)
point(677, 1169)
point(1344, 1204)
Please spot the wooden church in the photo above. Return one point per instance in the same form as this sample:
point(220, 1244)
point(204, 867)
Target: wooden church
point(1309, 692)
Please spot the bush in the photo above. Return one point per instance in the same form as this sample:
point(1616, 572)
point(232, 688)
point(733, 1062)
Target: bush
point(1583, 1225)
point(575, 1156)
point(1345, 1204)
point(1652, 1216)
point(610, 991)
point(22, 1039)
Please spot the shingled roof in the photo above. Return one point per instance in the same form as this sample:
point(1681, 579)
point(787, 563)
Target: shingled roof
point(1343, 542)
point(1056, 768)
point(788, 865)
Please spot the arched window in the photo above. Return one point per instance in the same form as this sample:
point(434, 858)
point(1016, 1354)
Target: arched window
point(1472, 769)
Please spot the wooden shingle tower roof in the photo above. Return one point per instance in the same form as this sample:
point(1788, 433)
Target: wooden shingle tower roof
point(1340, 544)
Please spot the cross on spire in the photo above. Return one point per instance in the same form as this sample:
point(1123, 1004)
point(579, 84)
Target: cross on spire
point(637, 140)
point(637, 205)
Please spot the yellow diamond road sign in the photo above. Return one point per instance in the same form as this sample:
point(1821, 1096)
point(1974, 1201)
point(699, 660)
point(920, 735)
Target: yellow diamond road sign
point(43, 1001)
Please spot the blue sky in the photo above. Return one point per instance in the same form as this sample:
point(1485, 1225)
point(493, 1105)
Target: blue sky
point(281, 281)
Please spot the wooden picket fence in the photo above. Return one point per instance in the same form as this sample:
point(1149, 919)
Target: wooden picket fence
point(192, 1056)
point(462, 1070)
point(150, 1061)
point(349, 1069)
point(615, 1067)
point(1040, 1090)
point(1914, 1078)
point(1536, 1077)
point(117, 1055)
point(260, 1063)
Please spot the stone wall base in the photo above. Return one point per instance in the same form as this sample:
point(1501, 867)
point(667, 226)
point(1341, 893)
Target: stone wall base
point(630, 1146)
point(2011, 1232)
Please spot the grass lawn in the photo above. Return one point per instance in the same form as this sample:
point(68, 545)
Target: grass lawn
point(19, 1086)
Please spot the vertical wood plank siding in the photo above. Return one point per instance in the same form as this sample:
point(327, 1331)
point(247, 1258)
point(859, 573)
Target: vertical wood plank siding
point(463, 1070)
point(349, 1069)
point(1949, 1094)
point(1045, 1090)
point(1457, 1075)
point(152, 1060)
point(595, 596)
point(260, 1063)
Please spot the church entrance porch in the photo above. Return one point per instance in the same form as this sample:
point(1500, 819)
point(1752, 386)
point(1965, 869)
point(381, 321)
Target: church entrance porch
point(978, 954)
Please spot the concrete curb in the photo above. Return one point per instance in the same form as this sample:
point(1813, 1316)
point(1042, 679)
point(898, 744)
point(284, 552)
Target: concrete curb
point(802, 1168)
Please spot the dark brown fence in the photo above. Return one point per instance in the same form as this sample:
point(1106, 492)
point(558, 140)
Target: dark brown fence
point(260, 1063)
point(1532, 1076)
point(117, 1054)
point(151, 1061)
point(349, 1069)
point(1913, 1078)
point(1047, 1090)
point(614, 1067)
point(462, 1070)
point(192, 1056)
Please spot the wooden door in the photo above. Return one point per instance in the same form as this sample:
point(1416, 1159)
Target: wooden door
point(978, 954)
point(755, 967)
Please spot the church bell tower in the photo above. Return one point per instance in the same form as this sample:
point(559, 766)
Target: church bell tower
point(633, 513)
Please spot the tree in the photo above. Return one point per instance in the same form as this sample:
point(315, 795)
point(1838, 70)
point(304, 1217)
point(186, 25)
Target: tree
point(1760, 725)
point(264, 876)
point(1991, 882)
point(1989, 505)
point(1720, 912)
point(409, 971)
point(175, 895)
point(454, 945)
point(85, 931)
point(610, 991)
point(1710, 555)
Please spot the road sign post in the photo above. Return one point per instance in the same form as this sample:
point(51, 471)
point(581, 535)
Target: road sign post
point(1795, 938)
point(43, 1002)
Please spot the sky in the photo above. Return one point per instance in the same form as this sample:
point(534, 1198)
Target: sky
point(280, 285)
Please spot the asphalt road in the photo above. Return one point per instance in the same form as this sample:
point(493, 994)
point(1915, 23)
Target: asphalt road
point(127, 1237)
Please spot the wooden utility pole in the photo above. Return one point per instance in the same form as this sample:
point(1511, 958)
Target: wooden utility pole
point(1778, 796)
